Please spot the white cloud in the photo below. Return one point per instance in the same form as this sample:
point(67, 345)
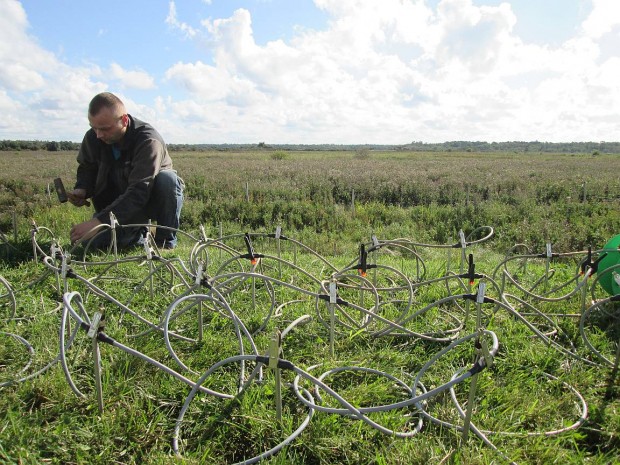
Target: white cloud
point(40, 93)
point(384, 72)
point(23, 60)
point(136, 79)
point(45, 97)
point(605, 16)
point(398, 71)
point(344, 83)
point(173, 21)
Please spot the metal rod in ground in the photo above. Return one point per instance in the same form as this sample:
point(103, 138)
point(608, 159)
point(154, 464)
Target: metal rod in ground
point(332, 323)
point(97, 363)
point(253, 288)
point(279, 253)
point(200, 322)
point(278, 394)
point(332, 316)
point(275, 348)
point(474, 380)
point(470, 406)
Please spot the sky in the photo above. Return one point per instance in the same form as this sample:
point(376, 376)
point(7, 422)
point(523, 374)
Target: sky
point(316, 71)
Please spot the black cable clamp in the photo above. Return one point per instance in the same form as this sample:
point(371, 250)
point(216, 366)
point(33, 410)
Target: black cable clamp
point(593, 265)
point(70, 273)
point(471, 274)
point(475, 298)
point(251, 255)
point(282, 364)
point(328, 298)
point(548, 253)
point(362, 265)
point(100, 335)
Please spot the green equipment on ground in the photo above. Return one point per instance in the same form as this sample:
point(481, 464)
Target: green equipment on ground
point(610, 281)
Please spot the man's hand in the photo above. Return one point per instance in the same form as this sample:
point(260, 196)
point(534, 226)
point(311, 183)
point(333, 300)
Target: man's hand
point(78, 197)
point(83, 231)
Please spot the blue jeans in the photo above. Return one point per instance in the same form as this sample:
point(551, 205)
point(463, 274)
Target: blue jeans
point(164, 208)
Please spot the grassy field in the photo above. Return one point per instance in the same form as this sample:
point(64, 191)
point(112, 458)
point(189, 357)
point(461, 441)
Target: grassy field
point(334, 199)
point(414, 320)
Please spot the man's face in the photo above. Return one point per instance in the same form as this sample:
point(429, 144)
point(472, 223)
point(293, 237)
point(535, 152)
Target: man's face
point(109, 127)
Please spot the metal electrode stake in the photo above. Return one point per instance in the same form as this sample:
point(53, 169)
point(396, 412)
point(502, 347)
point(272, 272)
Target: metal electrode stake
point(524, 266)
point(92, 333)
point(200, 318)
point(63, 275)
point(64, 268)
point(54, 251)
point(363, 266)
point(149, 257)
point(547, 265)
point(463, 249)
point(113, 224)
point(584, 291)
point(274, 356)
point(417, 266)
point(253, 287)
point(474, 380)
point(203, 233)
point(375, 248)
point(470, 282)
point(253, 262)
point(503, 286)
point(34, 244)
point(277, 237)
point(332, 315)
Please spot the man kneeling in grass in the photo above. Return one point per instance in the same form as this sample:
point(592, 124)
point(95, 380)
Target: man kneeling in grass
point(125, 168)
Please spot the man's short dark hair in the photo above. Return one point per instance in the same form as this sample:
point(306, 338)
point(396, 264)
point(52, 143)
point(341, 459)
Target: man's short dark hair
point(105, 100)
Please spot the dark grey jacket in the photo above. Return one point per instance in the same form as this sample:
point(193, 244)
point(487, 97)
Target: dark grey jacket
point(143, 156)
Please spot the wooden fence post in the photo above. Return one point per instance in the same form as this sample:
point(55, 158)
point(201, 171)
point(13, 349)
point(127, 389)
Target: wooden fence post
point(583, 192)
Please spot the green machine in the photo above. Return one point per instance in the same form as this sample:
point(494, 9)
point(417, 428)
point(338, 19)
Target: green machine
point(610, 281)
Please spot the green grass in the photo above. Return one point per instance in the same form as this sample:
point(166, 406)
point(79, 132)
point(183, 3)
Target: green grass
point(422, 197)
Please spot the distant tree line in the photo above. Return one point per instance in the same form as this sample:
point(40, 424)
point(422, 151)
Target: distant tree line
point(517, 146)
point(453, 146)
point(50, 146)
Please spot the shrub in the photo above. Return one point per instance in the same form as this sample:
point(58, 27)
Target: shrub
point(279, 155)
point(362, 154)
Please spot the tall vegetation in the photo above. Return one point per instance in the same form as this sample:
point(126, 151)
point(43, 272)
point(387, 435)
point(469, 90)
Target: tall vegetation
point(569, 200)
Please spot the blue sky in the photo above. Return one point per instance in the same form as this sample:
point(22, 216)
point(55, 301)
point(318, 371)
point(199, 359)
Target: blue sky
point(316, 71)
